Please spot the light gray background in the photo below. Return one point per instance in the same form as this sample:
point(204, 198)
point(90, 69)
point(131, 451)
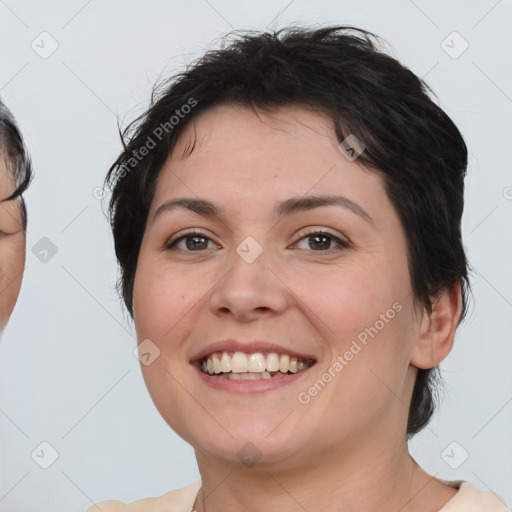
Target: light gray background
point(67, 372)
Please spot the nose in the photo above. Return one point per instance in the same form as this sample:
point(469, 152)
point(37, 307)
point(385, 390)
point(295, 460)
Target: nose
point(249, 291)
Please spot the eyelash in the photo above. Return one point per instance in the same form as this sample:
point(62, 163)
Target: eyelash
point(343, 244)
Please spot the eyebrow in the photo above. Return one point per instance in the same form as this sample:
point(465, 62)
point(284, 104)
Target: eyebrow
point(283, 209)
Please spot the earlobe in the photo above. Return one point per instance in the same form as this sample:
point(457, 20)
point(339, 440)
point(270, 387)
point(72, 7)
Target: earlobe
point(437, 330)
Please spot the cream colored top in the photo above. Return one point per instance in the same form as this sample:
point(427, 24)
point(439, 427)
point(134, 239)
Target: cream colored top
point(468, 499)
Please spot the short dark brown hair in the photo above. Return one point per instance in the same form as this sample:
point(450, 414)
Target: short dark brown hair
point(410, 141)
point(16, 158)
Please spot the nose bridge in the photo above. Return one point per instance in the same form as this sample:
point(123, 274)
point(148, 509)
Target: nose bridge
point(248, 286)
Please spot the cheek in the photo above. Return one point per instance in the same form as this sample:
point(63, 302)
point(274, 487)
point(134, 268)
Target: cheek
point(12, 255)
point(362, 314)
point(12, 260)
point(164, 300)
point(154, 302)
point(345, 299)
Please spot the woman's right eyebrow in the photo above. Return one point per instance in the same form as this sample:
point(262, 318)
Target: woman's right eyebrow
point(285, 208)
point(199, 206)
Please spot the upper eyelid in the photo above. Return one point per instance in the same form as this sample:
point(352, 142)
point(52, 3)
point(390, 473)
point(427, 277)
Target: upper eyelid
point(340, 240)
point(311, 231)
point(324, 231)
point(189, 232)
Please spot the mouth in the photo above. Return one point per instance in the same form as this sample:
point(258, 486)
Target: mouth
point(252, 366)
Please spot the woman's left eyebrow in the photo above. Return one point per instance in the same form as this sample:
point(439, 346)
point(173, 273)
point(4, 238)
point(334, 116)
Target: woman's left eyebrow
point(299, 204)
point(285, 208)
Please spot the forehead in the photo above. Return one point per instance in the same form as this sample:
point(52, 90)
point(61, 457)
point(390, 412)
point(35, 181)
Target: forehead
point(244, 157)
point(228, 128)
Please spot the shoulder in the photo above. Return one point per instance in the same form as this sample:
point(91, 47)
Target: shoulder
point(179, 500)
point(470, 499)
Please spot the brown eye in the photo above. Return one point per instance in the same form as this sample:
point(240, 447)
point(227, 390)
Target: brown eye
point(195, 242)
point(192, 242)
point(322, 241)
point(319, 242)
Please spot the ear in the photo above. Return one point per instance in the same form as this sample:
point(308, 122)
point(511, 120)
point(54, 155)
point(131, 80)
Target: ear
point(437, 330)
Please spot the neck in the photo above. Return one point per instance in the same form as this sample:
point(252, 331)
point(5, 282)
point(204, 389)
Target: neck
point(365, 478)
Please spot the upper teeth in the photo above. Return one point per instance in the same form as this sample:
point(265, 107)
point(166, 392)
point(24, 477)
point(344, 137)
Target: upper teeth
point(257, 362)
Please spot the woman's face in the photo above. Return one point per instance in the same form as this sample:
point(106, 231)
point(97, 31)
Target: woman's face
point(12, 247)
point(257, 272)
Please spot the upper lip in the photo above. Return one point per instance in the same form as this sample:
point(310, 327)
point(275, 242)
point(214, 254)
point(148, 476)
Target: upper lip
point(232, 345)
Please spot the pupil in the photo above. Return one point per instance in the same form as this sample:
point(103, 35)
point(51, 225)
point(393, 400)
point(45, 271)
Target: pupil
point(316, 238)
point(195, 245)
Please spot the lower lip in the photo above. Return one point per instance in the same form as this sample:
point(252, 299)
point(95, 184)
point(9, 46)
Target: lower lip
point(249, 386)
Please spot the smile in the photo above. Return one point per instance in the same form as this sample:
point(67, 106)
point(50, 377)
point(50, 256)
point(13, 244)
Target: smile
point(252, 366)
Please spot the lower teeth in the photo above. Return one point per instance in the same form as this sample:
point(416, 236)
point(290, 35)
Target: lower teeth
point(251, 376)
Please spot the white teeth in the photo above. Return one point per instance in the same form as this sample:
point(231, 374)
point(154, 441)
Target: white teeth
point(239, 363)
point(243, 376)
point(225, 362)
point(216, 363)
point(235, 364)
point(284, 361)
point(250, 376)
point(256, 362)
point(272, 362)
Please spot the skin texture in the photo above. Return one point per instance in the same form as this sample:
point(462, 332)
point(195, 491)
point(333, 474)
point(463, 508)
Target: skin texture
point(346, 449)
point(12, 247)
